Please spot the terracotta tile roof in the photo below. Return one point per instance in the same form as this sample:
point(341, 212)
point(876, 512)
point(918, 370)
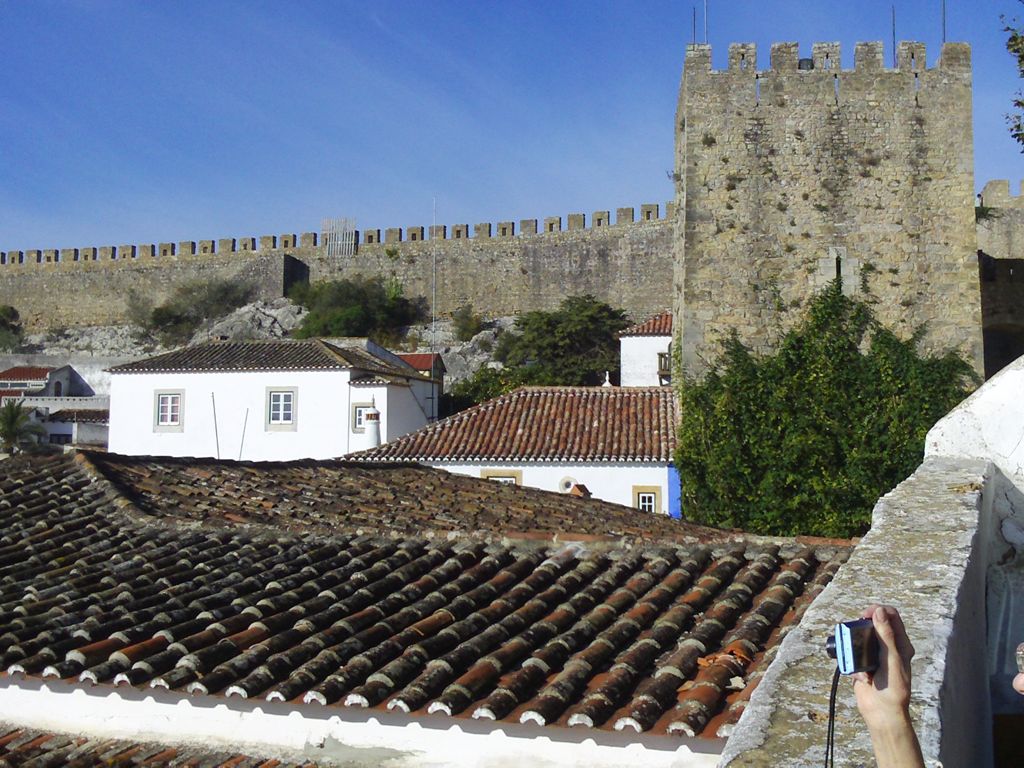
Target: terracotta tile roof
point(423, 361)
point(81, 415)
point(264, 355)
point(647, 638)
point(659, 325)
point(26, 373)
point(12, 392)
point(30, 747)
point(549, 424)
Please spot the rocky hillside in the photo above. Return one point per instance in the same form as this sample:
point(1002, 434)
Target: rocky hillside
point(260, 320)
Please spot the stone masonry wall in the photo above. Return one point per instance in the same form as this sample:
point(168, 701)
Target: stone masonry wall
point(50, 295)
point(787, 175)
point(500, 271)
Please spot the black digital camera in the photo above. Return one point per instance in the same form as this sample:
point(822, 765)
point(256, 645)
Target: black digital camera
point(854, 646)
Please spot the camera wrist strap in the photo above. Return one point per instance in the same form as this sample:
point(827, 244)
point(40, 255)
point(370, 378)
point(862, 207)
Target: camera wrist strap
point(830, 739)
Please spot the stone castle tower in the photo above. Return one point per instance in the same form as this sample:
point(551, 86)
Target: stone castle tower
point(791, 175)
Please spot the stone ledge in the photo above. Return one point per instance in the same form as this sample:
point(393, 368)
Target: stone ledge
point(926, 553)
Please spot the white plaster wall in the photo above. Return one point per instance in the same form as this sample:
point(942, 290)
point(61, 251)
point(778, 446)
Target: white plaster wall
point(405, 412)
point(987, 425)
point(241, 402)
point(87, 433)
point(638, 359)
point(92, 369)
point(333, 735)
point(608, 481)
point(360, 440)
point(323, 407)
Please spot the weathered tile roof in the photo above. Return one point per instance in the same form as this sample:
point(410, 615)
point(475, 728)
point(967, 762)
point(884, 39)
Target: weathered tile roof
point(661, 638)
point(263, 355)
point(31, 747)
point(26, 373)
point(659, 325)
point(394, 499)
point(81, 415)
point(549, 424)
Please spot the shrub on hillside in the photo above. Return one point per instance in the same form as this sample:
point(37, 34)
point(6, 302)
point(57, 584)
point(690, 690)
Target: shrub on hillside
point(466, 323)
point(190, 306)
point(359, 306)
point(10, 328)
point(803, 441)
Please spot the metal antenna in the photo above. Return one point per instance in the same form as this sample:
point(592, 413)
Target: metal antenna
point(705, 22)
point(894, 63)
point(943, 22)
point(693, 31)
point(433, 301)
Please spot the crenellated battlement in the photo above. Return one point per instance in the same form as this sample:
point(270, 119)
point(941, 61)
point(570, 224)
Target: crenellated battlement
point(797, 170)
point(997, 194)
point(785, 59)
point(149, 252)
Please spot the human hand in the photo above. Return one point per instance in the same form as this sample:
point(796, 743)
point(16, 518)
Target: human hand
point(1018, 681)
point(883, 696)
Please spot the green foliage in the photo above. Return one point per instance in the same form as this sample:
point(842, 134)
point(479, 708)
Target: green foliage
point(573, 346)
point(190, 306)
point(985, 213)
point(805, 440)
point(1015, 47)
point(10, 328)
point(486, 384)
point(17, 430)
point(358, 306)
point(467, 324)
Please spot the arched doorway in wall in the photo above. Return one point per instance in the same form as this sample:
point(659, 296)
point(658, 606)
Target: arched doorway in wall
point(1003, 344)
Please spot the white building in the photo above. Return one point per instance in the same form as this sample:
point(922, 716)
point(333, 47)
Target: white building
point(611, 443)
point(645, 352)
point(61, 402)
point(271, 400)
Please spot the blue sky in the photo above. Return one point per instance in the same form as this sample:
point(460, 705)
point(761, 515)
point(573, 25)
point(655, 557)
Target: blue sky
point(132, 122)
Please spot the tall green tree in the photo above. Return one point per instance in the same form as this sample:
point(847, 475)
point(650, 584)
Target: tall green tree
point(803, 441)
point(17, 430)
point(1015, 47)
point(572, 346)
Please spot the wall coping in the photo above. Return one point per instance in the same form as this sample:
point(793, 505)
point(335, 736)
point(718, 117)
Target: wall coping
point(939, 522)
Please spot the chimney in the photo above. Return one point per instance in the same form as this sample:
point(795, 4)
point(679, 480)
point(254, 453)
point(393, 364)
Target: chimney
point(372, 420)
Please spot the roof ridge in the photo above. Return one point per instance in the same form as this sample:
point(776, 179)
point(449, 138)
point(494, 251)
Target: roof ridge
point(330, 349)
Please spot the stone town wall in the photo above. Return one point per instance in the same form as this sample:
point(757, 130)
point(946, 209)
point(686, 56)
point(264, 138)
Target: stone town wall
point(95, 291)
point(1001, 262)
point(500, 270)
point(788, 175)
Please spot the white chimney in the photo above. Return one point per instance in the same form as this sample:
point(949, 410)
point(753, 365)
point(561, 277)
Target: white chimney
point(371, 418)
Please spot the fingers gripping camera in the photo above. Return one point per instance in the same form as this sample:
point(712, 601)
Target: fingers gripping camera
point(854, 646)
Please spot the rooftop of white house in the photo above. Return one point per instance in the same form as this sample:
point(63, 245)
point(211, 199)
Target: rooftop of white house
point(635, 424)
point(266, 355)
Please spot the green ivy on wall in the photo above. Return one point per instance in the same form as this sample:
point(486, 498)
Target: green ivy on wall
point(805, 440)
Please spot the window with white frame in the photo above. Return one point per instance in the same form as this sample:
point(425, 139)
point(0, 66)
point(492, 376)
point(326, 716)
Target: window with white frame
point(281, 408)
point(647, 498)
point(359, 411)
point(506, 476)
point(167, 411)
